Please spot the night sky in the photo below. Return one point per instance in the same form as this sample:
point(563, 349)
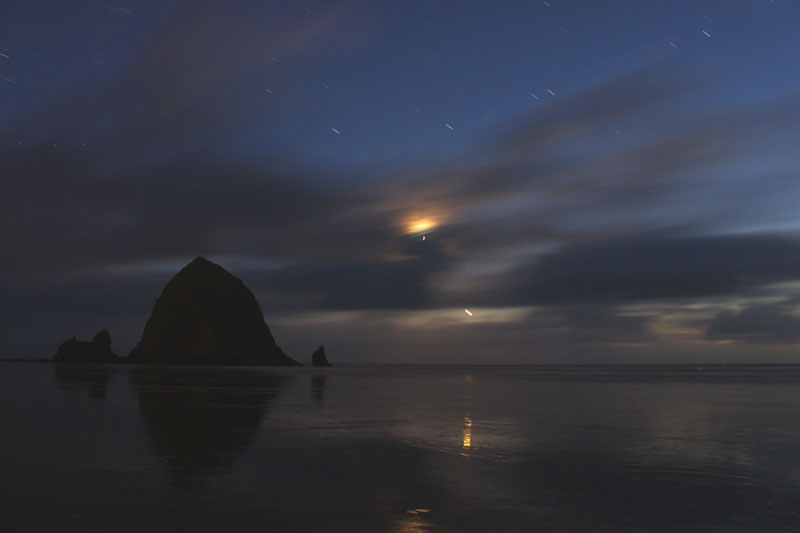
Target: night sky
point(595, 181)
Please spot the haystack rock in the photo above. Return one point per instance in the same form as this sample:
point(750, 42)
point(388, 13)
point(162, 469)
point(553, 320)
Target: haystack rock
point(97, 351)
point(318, 357)
point(205, 315)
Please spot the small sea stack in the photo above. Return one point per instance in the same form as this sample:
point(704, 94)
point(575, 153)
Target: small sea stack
point(97, 351)
point(318, 358)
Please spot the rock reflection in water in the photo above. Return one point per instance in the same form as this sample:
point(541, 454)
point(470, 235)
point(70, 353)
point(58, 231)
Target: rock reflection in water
point(91, 378)
point(318, 382)
point(200, 420)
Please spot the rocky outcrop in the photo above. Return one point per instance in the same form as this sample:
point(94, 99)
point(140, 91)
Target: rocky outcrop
point(97, 351)
point(206, 315)
point(318, 357)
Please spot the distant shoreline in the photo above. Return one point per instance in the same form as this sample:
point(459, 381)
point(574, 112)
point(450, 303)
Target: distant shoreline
point(550, 366)
point(125, 362)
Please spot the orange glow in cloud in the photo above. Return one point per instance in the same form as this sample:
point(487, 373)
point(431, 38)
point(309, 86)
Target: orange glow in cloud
point(421, 225)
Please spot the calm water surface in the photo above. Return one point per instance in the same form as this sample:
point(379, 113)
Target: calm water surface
point(105, 448)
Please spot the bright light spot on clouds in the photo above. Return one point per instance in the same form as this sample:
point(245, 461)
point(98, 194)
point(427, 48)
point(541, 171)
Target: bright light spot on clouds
point(432, 319)
point(468, 312)
point(421, 225)
point(440, 318)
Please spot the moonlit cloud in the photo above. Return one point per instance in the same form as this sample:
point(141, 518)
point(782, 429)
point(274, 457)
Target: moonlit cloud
point(596, 215)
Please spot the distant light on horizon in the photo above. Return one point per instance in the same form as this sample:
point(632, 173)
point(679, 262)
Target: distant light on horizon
point(468, 312)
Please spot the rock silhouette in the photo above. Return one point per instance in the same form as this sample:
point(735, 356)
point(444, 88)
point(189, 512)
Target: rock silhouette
point(206, 315)
point(97, 351)
point(318, 357)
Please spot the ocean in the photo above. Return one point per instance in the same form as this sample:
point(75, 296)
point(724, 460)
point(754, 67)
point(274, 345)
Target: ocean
point(399, 448)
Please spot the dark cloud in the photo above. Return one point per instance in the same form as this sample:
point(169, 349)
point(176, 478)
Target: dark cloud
point(133, 165)
point(545, 152)
point(605, 324)
point(573, 117)
point(196, 80)
point(400, 283)
point(756, 324)
point(655, 269)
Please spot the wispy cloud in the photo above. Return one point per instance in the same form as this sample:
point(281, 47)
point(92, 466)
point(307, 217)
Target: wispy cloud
point(624, 192)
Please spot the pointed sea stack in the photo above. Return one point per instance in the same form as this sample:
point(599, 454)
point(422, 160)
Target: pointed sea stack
point(206, 316)
point(318, 357)
point(97, 351)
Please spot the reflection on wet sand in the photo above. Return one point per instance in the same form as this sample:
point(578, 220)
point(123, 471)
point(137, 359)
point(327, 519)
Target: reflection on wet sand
point(200, 420)
point(318, 382)
point(92, 378)
point(414, 522)
point(467, 441)
point(496, 451)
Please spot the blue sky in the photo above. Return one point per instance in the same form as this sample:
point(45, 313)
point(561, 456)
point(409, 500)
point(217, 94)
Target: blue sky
point(296, 143)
